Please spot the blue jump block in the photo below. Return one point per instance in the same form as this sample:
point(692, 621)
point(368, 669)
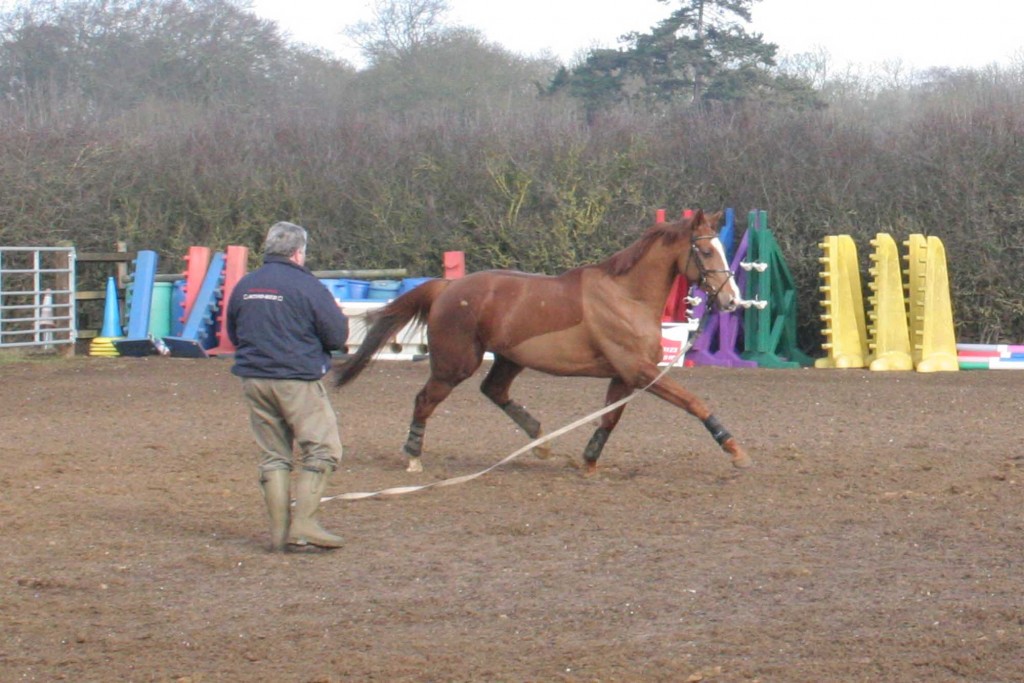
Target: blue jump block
point(138, 342)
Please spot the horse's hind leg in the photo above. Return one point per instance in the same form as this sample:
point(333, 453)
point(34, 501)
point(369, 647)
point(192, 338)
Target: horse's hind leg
point(495, 387)
point(617, 389)
point(432, 393)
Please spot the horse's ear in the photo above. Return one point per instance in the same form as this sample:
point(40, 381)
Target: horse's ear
point(698, 217)
point(715, 219)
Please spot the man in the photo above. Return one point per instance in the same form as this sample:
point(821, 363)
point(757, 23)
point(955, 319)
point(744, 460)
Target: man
point(285, 323)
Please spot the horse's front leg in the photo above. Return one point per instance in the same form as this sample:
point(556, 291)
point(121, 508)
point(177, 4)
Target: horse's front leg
point(496, 387)
point(617, 389)
point(727, 441)
point(670, 391)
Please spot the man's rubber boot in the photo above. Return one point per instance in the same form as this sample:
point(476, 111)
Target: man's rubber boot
point(305, 529)
point(275, 485)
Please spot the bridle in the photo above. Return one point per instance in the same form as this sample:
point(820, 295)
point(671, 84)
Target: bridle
point(704, 271)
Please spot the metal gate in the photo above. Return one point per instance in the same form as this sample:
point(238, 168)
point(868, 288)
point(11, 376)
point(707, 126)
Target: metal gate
point(37, 296)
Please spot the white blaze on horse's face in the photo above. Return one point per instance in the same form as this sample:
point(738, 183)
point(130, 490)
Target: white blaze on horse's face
point(729, 293)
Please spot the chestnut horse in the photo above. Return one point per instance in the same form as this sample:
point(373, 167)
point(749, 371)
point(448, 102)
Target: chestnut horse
point(600, 320)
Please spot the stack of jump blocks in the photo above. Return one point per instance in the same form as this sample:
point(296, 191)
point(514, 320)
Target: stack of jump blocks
point(208, 281)
point(764, 334)
point(910, 324)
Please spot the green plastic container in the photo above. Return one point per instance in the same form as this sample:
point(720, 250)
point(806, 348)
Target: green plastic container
point(160, 311)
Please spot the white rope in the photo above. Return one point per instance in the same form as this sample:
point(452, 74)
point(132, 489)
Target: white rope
point(401, 490)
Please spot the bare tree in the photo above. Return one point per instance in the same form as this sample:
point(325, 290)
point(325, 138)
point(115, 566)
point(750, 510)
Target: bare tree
point(398, 28)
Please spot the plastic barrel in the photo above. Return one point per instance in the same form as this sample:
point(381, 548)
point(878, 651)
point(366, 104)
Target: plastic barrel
point(330, 283)
point(412, 283)
point(381, 290)
point(160, 311)
point(357, 290)
point(340, 289)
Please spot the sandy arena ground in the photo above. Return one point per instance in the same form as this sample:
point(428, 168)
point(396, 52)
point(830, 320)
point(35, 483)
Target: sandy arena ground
point(879, 536)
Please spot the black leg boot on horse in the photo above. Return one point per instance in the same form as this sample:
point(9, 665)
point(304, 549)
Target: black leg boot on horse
point(496, 387)
point(305, 529)
point(617, 389)
point(276, 485)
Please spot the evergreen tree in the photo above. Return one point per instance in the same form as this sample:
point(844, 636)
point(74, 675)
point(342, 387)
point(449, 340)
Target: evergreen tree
point(701, 52)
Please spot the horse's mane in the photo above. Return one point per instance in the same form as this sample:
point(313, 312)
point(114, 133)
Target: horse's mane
point(623, 261)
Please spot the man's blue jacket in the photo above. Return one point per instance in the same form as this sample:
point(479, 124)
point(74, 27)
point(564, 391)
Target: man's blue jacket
point(284, 323)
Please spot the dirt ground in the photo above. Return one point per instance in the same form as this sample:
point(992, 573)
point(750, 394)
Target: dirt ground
point(878, 537)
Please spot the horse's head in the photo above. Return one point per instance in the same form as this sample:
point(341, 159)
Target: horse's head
point(706, 263)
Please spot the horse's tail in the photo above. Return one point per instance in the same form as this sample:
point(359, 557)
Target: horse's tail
point(384, 323)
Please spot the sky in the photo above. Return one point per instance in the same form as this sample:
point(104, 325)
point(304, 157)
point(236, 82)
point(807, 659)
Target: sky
point(915, 33)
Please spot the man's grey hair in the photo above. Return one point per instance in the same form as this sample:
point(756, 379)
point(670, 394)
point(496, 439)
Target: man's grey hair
point(284, 239)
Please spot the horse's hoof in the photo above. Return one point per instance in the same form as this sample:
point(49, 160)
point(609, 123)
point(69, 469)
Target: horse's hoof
point(741, 461)
point(414, 465)
point(543, 451)
point(589, 469)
